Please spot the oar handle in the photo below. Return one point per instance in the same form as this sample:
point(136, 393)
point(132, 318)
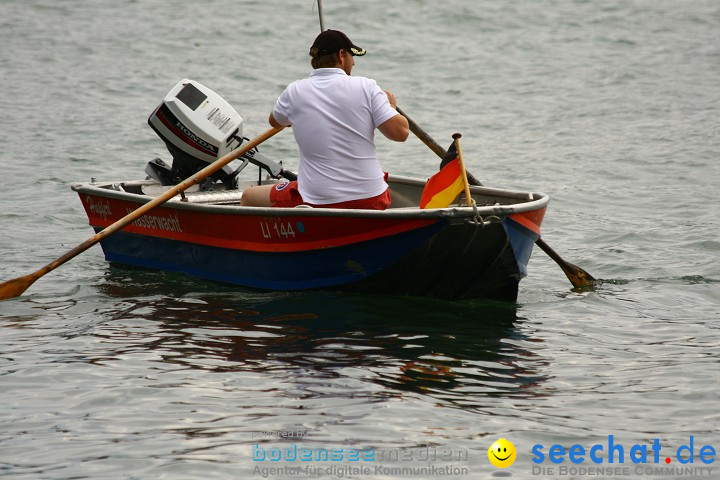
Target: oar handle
point(423, 135)
point(432, 144)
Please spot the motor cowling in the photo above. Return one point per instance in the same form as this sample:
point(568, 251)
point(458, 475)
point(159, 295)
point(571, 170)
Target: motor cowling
point(198, 127)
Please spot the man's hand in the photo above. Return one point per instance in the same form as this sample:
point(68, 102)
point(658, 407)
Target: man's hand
point(391, 98)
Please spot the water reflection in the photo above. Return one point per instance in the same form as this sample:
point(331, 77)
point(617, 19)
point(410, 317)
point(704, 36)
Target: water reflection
point(452, 351)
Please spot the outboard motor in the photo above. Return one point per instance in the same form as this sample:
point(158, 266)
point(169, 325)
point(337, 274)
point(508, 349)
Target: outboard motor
point(198, 127)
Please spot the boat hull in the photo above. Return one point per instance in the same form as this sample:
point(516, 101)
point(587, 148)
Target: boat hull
point(449, 253)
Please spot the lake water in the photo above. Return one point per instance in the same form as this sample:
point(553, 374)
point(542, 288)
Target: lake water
point(612, 108)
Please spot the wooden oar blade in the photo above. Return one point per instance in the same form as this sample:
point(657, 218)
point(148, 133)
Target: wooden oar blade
point(580, 279)
point(15, 287)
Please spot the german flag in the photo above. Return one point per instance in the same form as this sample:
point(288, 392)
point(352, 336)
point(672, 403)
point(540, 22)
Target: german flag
point(442, 188)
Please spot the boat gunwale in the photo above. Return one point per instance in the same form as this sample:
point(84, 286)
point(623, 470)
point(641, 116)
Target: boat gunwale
point(539, 200)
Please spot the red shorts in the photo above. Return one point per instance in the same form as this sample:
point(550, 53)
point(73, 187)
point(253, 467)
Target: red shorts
point(286, 194)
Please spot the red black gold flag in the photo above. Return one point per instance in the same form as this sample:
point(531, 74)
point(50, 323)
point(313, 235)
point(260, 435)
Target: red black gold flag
point(442, 188)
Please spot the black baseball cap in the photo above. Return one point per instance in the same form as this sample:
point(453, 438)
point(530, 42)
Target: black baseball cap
point(331, 41)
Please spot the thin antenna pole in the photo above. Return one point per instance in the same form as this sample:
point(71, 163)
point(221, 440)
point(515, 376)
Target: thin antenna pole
point(320, 13)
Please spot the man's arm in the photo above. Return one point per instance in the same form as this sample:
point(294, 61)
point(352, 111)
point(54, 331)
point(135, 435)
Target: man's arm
point(396, 128)
point(274, 123)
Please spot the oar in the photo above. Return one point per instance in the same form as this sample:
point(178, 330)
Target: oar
point(578, 277)
point(15, 287)
point(423, 135)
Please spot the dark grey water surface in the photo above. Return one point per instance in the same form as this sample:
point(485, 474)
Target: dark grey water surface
point(612, 108)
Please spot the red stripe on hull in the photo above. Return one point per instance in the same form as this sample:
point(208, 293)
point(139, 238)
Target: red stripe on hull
point(530, 220)
point(247, 232)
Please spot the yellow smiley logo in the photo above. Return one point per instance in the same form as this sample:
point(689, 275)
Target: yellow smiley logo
point(502, 453)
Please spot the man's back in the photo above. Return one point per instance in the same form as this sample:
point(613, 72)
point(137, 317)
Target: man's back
point(334, 117)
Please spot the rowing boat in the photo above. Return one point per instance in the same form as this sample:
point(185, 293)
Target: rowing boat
point(477, 249)
point(455, 252)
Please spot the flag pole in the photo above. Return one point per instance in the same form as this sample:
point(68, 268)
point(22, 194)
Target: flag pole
point(468, 197)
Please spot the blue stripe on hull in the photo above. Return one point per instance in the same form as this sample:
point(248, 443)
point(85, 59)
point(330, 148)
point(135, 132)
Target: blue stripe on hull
point(267, 270)
point(522, 241)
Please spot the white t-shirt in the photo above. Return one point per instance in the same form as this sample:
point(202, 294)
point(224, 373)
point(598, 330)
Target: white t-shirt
point(333, 117)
